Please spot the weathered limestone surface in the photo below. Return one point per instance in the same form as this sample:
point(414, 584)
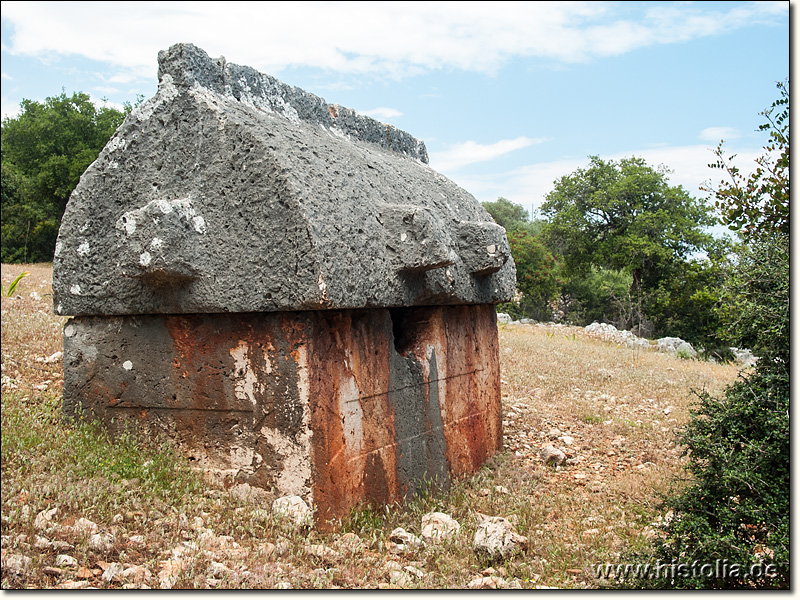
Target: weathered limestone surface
point(286, 288)
point(229, 191)
point(334, 406)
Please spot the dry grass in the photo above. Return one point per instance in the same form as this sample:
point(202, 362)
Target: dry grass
point(619, 406)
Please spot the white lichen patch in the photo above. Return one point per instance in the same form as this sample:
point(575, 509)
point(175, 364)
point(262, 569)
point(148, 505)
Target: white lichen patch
point(75, 290)
point(151, 212)
point(127, 365)
point(323, 287)
point(57, 252)
point(69, 331)
point(199, 224)
point(156, 244)
point(145, 258)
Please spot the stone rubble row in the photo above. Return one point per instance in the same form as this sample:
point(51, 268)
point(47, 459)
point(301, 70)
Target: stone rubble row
point(675, 346)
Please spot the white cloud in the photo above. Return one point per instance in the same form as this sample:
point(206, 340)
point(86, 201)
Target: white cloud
point(8, 109)
point(100, 103)
point(528, 185)
point(6, 76)
point(470, 152)
point(390, 38)
point(106, 89)
point(715, 134)
point(382, 113)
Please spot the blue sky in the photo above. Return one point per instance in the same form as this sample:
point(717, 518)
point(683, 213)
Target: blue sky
point(507, 96)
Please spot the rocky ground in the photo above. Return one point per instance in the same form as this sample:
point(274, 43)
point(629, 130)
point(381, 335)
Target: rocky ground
point(589, 447)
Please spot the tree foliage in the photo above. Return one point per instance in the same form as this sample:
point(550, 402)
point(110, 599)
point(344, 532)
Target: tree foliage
point(624, 216)
point(760, 201)
point(537, 275)
point(538, 280)
point(45, 150)
point(512, 216)
point(736, 504)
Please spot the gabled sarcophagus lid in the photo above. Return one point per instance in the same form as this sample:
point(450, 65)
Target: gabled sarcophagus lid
point(229, 191)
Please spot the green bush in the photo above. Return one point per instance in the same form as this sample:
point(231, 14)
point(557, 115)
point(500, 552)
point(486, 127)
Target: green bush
point(735, 506)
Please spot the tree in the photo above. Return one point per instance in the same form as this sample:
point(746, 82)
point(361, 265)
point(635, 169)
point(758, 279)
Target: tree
point(512, 216)
point(538, 282)
point(735, 506)
point(624, 216)
point(537, 275)
point(760, 201)
point(45, 150)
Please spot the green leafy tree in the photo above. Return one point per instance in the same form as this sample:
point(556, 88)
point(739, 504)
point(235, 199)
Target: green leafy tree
point(537, 275)
point(601, 295)
point(512, 216)
point(761, 200)
point(538, 281)
point(688, 303)
point(735, 506)
point(624, 216)
point(45, 150)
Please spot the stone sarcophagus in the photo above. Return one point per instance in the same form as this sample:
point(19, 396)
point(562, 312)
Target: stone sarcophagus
point(285, 287)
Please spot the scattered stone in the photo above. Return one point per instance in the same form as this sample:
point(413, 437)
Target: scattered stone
point(676, 347)
point(554, 433)
point(85, 527)
point(248, 493)
point(404, 541)
point(54, 571)
point(102, 542)
point(44, 519)
point(218, 570)
point(350, 543)
point(493, 582)
point(503, 318)
point(550, 455)
point(84, 573)
point(65, 560)
point(283, 585)
point(282, 547)
point(16, 564)
point(437, 526)
point(113, 572)
point(292, 510)
point(137, 574)
point(567, 440)
point(400, 578)
point(136, 540)
point(418, 573)
point(74, 585)
point(496, 538)
point(117, 519)
point(744, 357)
point(500, 489)
point(169, 573)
